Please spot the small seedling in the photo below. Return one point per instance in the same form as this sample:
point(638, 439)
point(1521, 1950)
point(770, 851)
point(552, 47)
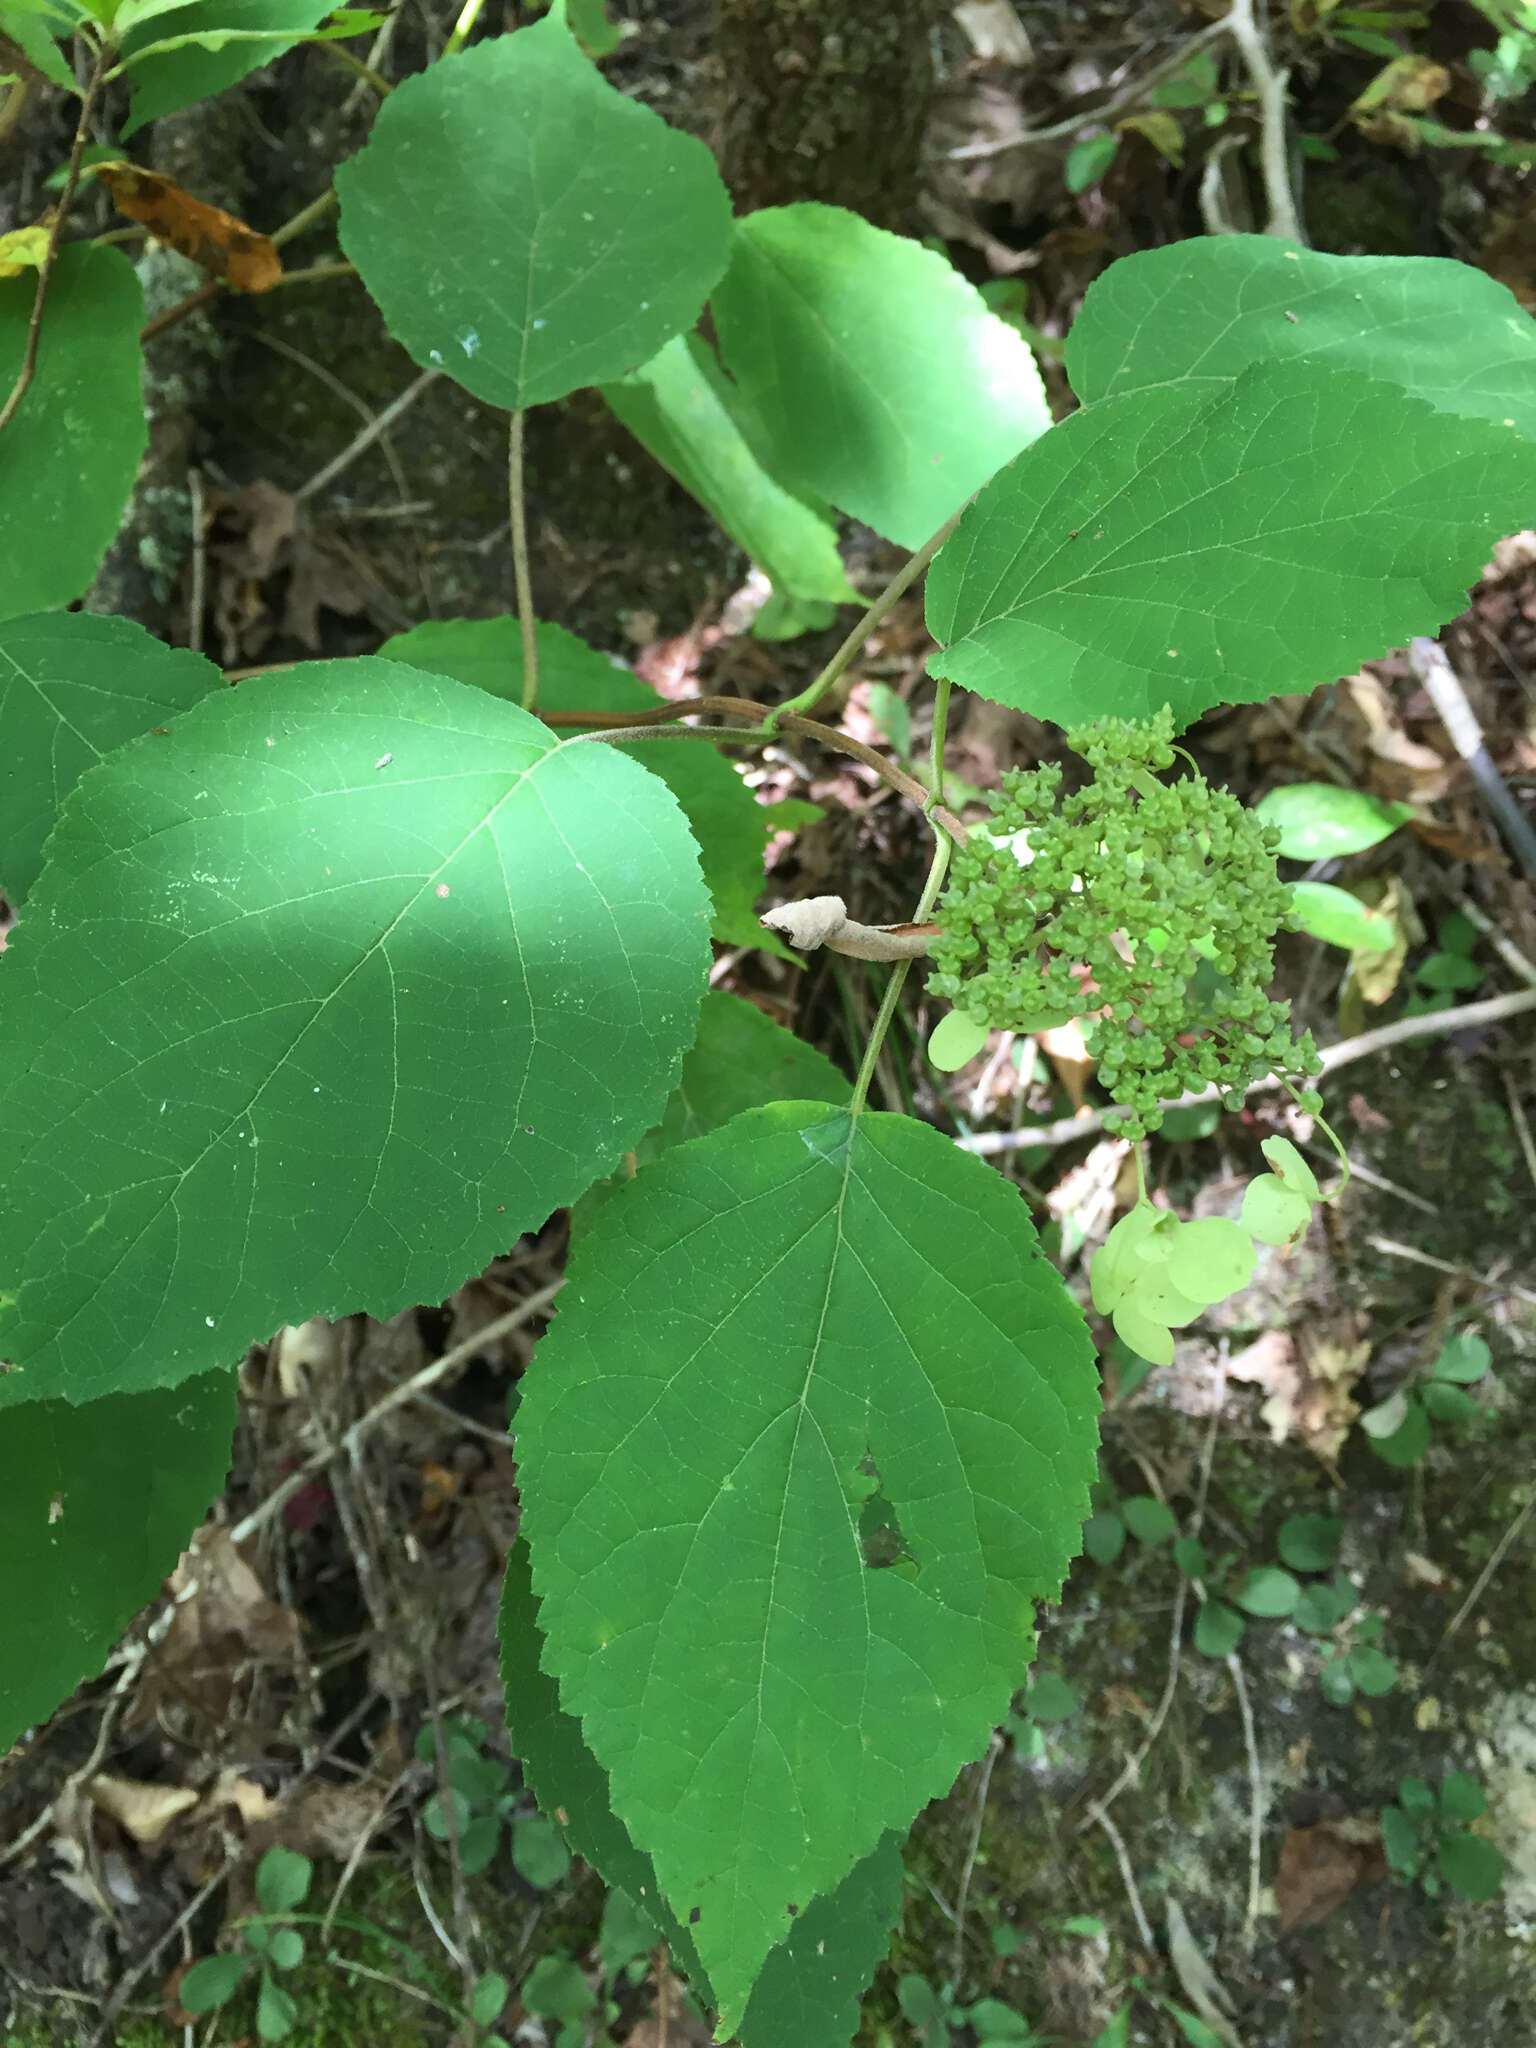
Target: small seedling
point(1427, 1838)
point(271, 1944)
point(1399, 1428)
point(479, 1805)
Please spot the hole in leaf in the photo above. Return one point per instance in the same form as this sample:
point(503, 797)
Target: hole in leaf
point(881, 1541)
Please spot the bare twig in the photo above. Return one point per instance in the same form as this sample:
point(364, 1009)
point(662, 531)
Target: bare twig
point(1501, 1551)
point(957, 1952)
point(407, 1390)
point(522, 575)
point(1269, 87)
point(1125, 96)
point(1256, 1800)
point(378, 426)
point(28, 368)
point(1428, 661)
point(346, 394)
point(1391, 1249)
point(1505, 947)
point(1518, 1118)
point(1127, 1875)
point(199, 591)
point(1435, 1024)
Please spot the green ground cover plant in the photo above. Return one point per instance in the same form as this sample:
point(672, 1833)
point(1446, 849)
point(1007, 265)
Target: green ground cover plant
point(329, 986)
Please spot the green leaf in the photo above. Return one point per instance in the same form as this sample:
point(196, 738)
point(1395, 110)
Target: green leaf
point(166, 79)
point(1175, 547)
point(812, 1302)
point(808, 1995)
point(1104, 1537)
point(402, 974)
point(1373, 1673)
point(488, 1999)
point(538, 1852)
point(282, 1879)
point(1310, 1543)
point(1446, 1403)
point(69, 456)
point(627, 1932)
point(896, 420)
point(679, 406)
point(1189, 1555)
point(277, 2011)
point(991, 2020)
point(1449, 971)
point(73, 686)
point(1335, 1683)
point(33, 29)
point(1218, 1629)
point(1087, 161)
point(555, 1989)
point(92, 1516)
point(1320, 1608)
point(1400, 1840)
point(525, 228)
point(1339, 918)
point(479, 1840)
point(1463, 1357)
point(1318, 821)
point(727, 821)
point(1472, 1868)
point(1289, 1167)
point(285, 1950)
point(212, 1982)
point(447, 1814)
point(1048, 1697)
point(1461, 1797)
point(1268, 1591)
point(1406, 1444)
point(1149, 1519)
point(1193, 2028)
point(1415, 1796)
point(1201, 311)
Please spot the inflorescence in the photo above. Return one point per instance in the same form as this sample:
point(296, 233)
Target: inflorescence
point(1149, 907)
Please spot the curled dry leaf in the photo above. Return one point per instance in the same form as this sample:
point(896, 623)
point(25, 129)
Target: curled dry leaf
point(824, 921)
point(1320, 1866)
point(214, 240)
point(146, 1810)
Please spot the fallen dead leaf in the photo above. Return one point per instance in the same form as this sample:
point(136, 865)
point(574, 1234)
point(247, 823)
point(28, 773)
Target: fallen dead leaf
point(145, 1810)
point(1320, 1866)
point(212, 239)
point(1306, 1386)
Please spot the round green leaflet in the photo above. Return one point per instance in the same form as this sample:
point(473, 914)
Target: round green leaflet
point(818, 1309)
point(70, 454)
point(324, 997)
point(525, 228)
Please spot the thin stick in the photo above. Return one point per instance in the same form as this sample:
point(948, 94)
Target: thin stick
point(199, 591)
point(1127, 1876)
point(1522, 1126)
point(899, 584)
point(893, 987)
point(957, 1951)
point(28, 367)
point(1436, 1023)
point(342, 391)
point(1127, 94)
point(1391, 1249)
point(364, 71)
point(1269, 86)
point(1255, 1797)
point(521, 575)
point(381, 424)
point(1428, 661)
point(1507, 950)
point(406, 1390)
point(1501, 1551)
point(464, 27)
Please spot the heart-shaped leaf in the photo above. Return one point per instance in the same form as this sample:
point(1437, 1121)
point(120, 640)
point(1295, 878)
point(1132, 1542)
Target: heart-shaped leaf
point(832, 1314)
point(322, 999)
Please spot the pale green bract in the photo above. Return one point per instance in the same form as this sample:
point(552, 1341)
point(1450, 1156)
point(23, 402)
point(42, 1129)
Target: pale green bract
point(323, 998)
point(833, 1318)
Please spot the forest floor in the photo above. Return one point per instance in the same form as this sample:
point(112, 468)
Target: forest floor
point(1155, 1827)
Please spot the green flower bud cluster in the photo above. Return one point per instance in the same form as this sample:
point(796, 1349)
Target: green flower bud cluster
point(1153, 904)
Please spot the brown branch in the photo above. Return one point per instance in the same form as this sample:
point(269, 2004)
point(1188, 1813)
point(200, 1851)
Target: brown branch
point(28, 368)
